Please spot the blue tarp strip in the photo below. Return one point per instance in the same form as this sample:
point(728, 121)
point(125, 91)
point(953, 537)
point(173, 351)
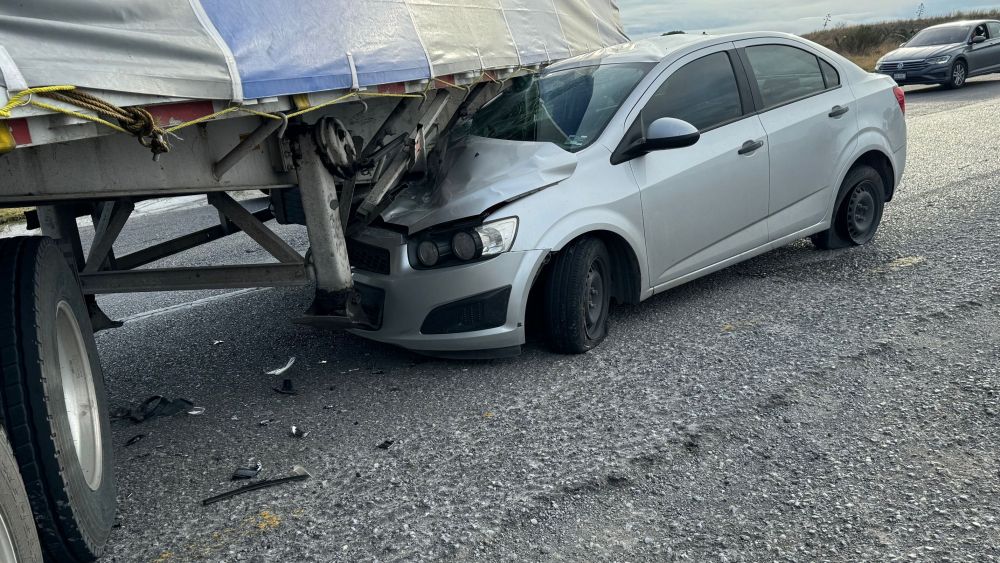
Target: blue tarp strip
point(300, 46)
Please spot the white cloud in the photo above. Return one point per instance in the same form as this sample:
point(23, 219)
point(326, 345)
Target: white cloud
point(643, 18)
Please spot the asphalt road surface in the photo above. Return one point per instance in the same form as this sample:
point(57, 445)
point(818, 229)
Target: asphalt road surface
point(804, 405)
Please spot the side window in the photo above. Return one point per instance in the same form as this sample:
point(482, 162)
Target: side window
point(785, 73)
point(994, 29)
point(830, 74)
point(704, 93)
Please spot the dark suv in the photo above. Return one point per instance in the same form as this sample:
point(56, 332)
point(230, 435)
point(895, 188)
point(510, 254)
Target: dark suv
point(947, 54)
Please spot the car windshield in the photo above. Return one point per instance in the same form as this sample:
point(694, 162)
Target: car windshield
point(940, 36)
point(569, 107)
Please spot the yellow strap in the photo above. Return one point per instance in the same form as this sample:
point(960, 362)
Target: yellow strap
point(23, 98)
point(18, 100)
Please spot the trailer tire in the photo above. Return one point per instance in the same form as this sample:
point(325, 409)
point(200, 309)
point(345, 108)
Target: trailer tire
point(54, 405)
point(18, 538)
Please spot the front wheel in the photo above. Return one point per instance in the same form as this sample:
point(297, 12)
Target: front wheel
point(578, 297)
point(857, 212)
point(959, 75)
point(53, 403)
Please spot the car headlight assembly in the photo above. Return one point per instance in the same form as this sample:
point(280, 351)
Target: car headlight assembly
point(878, 65)
point(460, 245)
point(939, 60)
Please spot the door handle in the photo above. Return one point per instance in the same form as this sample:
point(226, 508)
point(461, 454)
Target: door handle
point(838, 111)
point(751, 147)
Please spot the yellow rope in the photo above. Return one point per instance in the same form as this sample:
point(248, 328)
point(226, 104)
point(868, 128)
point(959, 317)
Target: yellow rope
point(94, 118)
point(85, 101)
point(18, 100)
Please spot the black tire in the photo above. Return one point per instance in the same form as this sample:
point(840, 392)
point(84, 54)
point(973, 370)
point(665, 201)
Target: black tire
point(578, 297)
point(857, 212)
point(959, 75)
point(49, 364)
point(15, 514)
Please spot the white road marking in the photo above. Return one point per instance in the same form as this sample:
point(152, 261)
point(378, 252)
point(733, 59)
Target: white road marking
point(191, 304)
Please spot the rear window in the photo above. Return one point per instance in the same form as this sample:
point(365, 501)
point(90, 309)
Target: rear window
point(785, 74)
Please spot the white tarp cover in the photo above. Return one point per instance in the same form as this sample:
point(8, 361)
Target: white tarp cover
point(235, 49)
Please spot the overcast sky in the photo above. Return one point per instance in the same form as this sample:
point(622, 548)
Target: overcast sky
point(643, 18)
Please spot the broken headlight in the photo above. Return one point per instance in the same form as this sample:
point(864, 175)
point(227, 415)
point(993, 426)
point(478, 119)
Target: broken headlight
point(460, 245)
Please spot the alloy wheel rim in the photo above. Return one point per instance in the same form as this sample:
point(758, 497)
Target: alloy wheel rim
point(79, 395)
point(594, 303)
point(959, 75)
point(861, 211)
point(7, 552)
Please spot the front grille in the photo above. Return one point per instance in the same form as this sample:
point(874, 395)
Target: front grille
point(368, 258)
point(906, 66)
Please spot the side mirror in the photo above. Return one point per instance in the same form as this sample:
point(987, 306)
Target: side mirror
point(978, 39)
point(668, 133)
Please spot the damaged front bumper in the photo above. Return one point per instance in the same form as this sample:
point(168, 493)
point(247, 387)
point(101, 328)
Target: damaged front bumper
point(472, 310)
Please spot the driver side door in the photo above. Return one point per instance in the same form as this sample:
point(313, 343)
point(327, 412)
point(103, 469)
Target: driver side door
point(981, 56)
point(707, 203)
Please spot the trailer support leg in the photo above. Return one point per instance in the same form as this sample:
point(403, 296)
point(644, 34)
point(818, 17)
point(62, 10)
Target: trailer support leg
point(58, 222)
point(336, 302)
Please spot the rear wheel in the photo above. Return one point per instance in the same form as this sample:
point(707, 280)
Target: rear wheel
point(959, 75)
point(18, 539)
point(858, 211)
point(54, 405)
point(578, 297)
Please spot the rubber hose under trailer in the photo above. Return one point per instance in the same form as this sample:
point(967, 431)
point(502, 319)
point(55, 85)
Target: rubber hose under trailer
point(54, 407)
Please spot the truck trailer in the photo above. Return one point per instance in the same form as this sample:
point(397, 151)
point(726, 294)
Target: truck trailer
point(330, 109)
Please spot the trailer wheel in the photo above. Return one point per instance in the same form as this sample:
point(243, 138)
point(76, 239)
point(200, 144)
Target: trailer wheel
point(54, 405)
point(18, 539)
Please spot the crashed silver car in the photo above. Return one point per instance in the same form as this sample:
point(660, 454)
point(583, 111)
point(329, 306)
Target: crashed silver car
point(617, 175)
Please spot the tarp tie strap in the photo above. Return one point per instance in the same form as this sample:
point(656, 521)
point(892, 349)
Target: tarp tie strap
point(141, 123)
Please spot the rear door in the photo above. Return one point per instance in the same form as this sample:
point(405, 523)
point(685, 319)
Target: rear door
point(811, 122)
point(706, 203)
point(993, 51)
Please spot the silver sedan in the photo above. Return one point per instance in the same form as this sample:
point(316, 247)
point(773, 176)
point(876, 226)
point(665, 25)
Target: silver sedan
point(620, 174)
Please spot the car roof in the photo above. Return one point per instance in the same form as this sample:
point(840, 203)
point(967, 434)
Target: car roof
point(655, 49)
point(965, 23)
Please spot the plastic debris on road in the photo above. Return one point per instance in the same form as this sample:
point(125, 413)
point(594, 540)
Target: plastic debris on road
point(155, 406)
point(299, 473)
point(282, 370)
point(248, 472)
point(287, 388)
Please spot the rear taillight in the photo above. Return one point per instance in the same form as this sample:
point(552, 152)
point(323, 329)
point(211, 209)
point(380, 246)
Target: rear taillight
point(900, 97)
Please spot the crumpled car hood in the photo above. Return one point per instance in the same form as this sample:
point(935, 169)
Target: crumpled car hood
point(478, 174)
